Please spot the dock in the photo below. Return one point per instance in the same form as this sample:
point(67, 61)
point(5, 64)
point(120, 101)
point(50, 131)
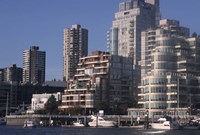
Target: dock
point(58, 120)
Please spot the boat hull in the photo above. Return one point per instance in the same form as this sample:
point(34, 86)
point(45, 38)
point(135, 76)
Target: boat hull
point(165, 126)
point(29, 124)
point(100, 122)
point(191, 127)
point(103, 124)
point(2, 121)
point(78, 125)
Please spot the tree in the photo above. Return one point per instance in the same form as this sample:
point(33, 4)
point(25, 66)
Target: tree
point(194, 34)
point(102, 106)
point(40, 111)
point(51, 105)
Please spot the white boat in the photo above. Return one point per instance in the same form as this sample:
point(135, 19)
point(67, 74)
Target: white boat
point(189, 127)
point(192, 125)
point(78, 123)
point(100, 122)
point(29, 124)
point(2, 121)
point(163, 123)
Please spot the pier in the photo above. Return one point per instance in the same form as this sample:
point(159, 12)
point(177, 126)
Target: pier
point(58, 120)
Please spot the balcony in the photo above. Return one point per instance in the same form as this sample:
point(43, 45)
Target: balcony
point(141, 94)
point(101, 67)
point(182, 69)
point(101, 73)
point(81, 69)
point(141, 102)
point(79, 75)
point(84, 79)
point(182, 62)
point(91, 62)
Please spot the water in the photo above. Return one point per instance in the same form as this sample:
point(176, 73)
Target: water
point(18, 130)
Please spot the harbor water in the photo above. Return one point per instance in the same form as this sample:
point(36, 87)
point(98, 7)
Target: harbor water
point(19, 130)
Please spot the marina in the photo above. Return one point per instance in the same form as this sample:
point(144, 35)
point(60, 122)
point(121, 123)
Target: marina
point(79, 125)
point(166, 123)
point(58, 120)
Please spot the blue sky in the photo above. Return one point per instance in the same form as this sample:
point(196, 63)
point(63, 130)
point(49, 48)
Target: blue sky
point(24, 23)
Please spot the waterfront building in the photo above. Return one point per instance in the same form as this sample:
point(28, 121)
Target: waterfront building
point(25, 92)
point(101, 79)
point(124, 37)
point(34, 66)
point(170, 75)
point(17, 97)
point(75, 46)
point(38, 101)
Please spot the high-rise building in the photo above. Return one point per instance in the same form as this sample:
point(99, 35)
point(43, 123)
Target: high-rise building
point(134, 16)
point(75, 46)
point(124, 37)
point(170, 73)
point(101, 80)
point(34, 66)
point(13, 73)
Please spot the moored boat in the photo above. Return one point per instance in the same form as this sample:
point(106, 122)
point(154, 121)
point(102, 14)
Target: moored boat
point(29, 124)
point(192, 125)
point(78, 123)
point(165, 123)
point(2, 121)
point(100, 122)
point(189, 127)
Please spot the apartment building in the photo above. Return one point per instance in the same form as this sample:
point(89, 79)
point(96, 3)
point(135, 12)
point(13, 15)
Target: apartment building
point(100, 78)
point(170, 70)
point(34, 66)
point(124, 37)
point(75, 46)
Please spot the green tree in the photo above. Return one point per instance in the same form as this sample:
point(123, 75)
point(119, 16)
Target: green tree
point(102, 106)
point(194, 34)
point(41, 111)
point(51, 106)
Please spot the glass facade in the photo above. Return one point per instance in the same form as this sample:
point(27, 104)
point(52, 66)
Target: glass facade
point(169, 68)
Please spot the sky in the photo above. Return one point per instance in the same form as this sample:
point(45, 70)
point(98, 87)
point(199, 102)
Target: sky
point(25, 23)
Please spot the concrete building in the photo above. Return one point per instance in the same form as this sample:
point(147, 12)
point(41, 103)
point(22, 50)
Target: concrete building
point(124, 37)
point(13, 74)
point(170, 75)
point(100, 78)
point(75, 46)
point(34, 66)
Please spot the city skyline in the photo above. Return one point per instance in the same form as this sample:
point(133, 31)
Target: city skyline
point(41, 23)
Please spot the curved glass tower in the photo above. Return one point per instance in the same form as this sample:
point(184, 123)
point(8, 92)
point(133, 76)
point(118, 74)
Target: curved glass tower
point(169, 67)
